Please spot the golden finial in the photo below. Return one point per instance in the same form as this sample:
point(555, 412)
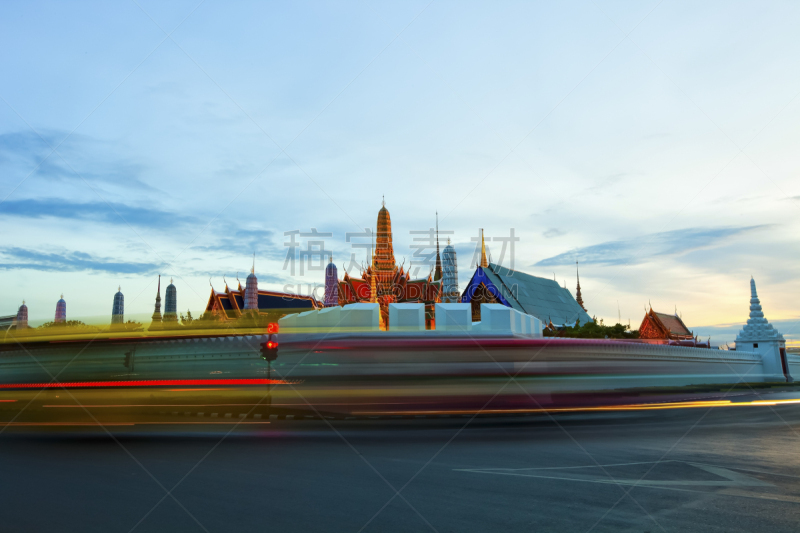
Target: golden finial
point(484, 262)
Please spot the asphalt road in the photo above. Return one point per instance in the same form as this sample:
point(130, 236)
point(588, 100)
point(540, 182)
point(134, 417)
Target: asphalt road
point(702, 469)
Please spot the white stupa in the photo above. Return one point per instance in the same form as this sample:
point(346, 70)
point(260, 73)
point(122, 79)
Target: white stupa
point(758, 327)
point(758, 335)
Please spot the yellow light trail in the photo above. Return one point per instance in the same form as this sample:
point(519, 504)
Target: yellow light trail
point(627, 407)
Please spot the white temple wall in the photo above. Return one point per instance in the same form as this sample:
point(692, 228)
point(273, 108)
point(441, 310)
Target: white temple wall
point(541, 366)
point(794, 364)
point(406, 317)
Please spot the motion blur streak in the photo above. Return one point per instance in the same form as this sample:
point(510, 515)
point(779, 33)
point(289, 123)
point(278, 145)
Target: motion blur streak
point(149, 383)
point(631, 407)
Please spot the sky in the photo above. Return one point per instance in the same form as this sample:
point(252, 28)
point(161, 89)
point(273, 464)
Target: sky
point(654, 142)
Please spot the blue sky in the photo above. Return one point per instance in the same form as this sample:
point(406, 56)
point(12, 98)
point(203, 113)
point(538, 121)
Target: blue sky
point(656, 142)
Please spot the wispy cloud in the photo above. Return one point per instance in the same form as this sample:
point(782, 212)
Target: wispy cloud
point(24, 151)
point(110, 213)
point(68, 261)
point(553, 232)
point(640, 249)
point(243, 241)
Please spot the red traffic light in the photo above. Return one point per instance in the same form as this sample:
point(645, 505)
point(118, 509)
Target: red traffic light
point(271, 345)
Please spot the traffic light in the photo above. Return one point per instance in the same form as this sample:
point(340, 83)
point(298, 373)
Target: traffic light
point(269, 350)
point(127, 362)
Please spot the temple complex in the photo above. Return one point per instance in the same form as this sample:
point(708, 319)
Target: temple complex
point(383, 282)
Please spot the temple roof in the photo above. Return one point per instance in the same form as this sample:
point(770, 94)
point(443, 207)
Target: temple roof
point(673, 324)
point(758, 327)
point(540, 297)
point(267, 300)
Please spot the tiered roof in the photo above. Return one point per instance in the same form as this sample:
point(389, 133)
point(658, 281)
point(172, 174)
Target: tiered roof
point(230, 303)
point(663, 326)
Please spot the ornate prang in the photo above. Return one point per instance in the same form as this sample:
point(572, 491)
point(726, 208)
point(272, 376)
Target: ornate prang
point(118, 310)
point(61, 311)
point(331, 284)
point(449, 274)
point(171, 303)
point(251, 288)
point(22, 316)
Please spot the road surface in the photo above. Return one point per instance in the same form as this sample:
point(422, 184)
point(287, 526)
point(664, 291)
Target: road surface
point(693, 469)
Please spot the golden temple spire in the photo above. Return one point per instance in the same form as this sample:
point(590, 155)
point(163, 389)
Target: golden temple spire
point(157, 311)
point(438, 272)
point(484, 262)
point(373, 288)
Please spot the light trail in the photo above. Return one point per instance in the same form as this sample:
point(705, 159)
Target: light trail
point(92, 424)
point(145, 383)
point(628, 407)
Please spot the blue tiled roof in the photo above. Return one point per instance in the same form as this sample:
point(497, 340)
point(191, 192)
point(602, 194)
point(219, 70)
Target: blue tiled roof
point(541, 297)
point(269, 301)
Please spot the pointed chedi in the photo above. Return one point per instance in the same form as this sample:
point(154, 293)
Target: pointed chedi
point(157, 311)
point(61, 311)
point(118, 310)
point(251, 289)
point(758, 327)
point(449, 275)
point(171, 303)
point(331, 285)
point(22, 316)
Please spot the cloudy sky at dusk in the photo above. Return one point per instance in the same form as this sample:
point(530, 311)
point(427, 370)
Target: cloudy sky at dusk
point(656, 142)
